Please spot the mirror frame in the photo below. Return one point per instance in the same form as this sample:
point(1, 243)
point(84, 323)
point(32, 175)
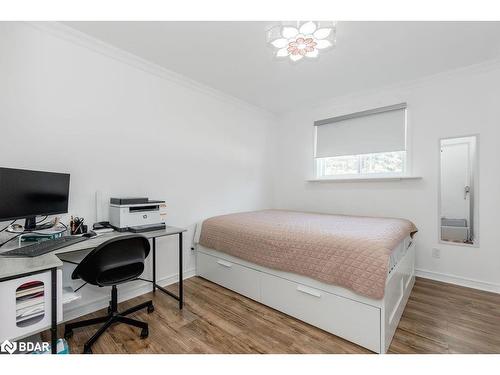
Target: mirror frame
point(476, 193)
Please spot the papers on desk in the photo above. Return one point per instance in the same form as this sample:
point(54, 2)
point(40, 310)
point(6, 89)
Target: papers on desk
point(29, 293)
point(30, 303)
point(29, 312)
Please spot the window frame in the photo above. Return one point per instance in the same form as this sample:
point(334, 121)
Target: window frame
point(407, 164)
point(319, 167)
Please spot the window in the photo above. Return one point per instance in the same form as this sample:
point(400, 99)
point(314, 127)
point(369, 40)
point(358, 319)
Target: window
point(383, 162)
point(368, 143)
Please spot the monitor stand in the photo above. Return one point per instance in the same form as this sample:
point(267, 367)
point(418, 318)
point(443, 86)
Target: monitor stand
point(30, 223)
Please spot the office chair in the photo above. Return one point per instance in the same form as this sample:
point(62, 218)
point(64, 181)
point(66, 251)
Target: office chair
point(114, 262)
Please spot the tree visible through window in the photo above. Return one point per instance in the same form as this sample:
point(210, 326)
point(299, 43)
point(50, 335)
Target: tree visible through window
point(379, 163)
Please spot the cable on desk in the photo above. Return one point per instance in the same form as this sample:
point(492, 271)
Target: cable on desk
point(41, 221)
point(61, 231)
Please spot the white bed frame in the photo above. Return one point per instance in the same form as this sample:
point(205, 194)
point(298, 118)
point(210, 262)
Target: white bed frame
point(367, 322)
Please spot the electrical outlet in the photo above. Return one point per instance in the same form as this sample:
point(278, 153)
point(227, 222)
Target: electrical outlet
point(436, 253)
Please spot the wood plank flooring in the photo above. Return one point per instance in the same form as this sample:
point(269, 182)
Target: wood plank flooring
point(439, 318)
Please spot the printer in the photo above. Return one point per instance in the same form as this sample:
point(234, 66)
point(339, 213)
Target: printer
point(137, 214)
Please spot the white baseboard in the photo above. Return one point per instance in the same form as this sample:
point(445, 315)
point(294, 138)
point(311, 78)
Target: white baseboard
point(124, 295)
point(457, 280)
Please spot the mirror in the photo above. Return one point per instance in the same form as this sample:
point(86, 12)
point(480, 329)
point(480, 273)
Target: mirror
point(458, 209)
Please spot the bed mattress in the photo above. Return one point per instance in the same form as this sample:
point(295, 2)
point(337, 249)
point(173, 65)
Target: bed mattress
point(349, 251)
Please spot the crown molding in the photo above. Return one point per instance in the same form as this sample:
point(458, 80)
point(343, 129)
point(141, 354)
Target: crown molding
point(84, 40)
point(468, 70)
point(478, 68)
point(81, 39)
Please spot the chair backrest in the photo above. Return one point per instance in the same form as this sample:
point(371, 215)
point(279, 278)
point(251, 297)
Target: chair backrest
point(115, 261)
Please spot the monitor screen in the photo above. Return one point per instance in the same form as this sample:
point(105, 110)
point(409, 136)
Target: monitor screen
point(25, 193)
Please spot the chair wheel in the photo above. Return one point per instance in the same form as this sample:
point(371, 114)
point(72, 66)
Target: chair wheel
point(144, 333)
point(151, 308)
point(87, 350)
point(68, 334)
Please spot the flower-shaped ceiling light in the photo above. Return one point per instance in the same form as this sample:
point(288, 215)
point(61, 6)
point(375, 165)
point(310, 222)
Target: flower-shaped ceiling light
point(298, 40)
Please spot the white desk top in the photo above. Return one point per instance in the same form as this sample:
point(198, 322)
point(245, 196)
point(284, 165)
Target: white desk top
point(11, 267)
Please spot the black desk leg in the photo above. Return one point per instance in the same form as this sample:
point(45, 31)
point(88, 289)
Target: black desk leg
point(53, 327)
point(179, 297)
point(181, 291)
point(154, 264)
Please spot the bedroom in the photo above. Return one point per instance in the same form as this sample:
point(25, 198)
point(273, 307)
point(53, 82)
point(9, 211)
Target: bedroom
point(281, 187)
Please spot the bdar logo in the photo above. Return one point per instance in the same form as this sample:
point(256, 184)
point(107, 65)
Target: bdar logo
point(8, 347)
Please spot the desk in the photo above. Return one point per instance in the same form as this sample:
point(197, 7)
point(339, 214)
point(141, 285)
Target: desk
point(12, 268)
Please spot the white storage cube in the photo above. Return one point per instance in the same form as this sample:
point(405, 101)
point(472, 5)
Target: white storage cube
point(13, 328)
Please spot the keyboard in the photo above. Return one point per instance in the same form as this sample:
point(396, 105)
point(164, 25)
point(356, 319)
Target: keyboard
point(43, 247)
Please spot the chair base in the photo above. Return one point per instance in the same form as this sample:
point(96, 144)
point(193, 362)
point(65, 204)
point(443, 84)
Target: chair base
point(113, 317)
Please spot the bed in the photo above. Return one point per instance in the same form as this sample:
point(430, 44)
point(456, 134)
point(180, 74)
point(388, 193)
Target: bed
point(348, 275)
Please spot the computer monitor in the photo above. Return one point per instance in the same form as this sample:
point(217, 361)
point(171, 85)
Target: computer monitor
point(26, 194)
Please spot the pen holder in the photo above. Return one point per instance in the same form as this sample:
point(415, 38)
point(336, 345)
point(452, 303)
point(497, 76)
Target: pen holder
point(77, 227)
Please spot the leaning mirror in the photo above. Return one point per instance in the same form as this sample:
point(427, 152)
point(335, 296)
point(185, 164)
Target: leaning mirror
point(458, 208)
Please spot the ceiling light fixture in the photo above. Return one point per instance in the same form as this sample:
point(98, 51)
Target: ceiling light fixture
point(301, 39)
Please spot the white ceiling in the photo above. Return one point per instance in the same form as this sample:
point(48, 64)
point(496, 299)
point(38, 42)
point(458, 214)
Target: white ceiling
point(233, 56)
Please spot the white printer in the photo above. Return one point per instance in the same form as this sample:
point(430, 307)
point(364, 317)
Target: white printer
point(137, 214)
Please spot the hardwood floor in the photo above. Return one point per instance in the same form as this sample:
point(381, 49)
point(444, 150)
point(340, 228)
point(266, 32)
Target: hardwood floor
point(439, 318)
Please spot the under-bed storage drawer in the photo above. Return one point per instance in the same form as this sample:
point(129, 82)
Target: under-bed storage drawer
point(230, 275)
point(354, 321)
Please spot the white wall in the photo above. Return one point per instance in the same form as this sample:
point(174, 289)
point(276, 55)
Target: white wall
point(458, 103)
point(124, 129)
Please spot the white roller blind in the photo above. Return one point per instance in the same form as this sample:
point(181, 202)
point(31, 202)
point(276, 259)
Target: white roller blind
point(367, 132)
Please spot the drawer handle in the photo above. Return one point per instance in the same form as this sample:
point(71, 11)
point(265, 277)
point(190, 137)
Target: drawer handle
point(310, 291)
point(224, 263)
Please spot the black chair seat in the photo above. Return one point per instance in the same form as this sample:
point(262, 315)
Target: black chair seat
point(114, 262)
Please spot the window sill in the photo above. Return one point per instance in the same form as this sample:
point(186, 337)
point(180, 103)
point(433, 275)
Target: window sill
point(365, 179)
